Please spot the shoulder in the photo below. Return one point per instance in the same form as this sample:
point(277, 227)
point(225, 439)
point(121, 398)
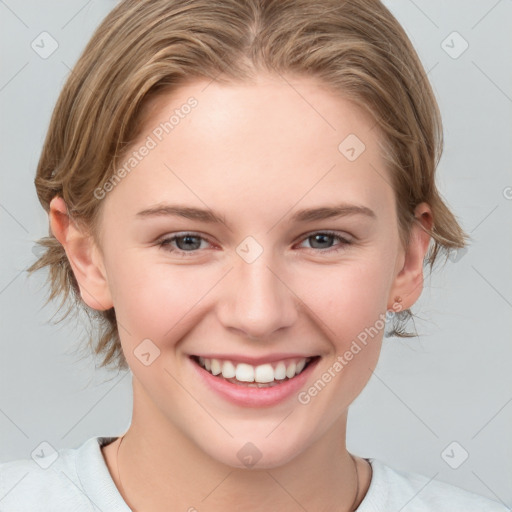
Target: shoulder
point(51, 480)
point(393, 489)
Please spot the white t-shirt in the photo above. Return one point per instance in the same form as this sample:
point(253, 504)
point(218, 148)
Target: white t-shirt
point(78, 480)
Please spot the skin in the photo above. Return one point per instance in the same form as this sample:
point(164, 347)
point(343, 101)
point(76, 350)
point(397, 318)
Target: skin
point(255, 154)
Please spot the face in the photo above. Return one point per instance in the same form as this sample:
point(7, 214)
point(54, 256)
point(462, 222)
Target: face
point(255, 278)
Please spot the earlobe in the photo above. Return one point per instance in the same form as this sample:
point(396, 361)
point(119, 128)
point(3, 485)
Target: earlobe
point(83, 256)
point(408, 282)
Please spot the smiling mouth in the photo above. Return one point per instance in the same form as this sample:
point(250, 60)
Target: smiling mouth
point(260, 376)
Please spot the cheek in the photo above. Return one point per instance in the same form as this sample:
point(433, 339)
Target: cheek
point(156, 301)
point(346, 298)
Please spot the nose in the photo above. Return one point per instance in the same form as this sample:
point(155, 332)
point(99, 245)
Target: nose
point(258, 301)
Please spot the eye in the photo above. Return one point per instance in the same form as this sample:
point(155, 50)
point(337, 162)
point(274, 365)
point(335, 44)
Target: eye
point(320, 239)
point(185, 242)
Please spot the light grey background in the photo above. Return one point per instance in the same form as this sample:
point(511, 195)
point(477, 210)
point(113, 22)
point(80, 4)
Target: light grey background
point(453, 383)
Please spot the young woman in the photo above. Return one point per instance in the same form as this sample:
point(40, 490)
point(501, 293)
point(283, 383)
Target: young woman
point(239, 190)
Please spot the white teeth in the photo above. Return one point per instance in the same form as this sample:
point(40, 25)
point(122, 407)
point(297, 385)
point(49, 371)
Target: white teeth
point(215, 366)
point(262, 374)
point(245, 373)
point(280, 371)
point(228, 370)
point(290, 370)
point(300, 366)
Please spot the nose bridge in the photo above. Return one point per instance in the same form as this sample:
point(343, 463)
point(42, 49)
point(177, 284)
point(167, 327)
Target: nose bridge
point(259, 302)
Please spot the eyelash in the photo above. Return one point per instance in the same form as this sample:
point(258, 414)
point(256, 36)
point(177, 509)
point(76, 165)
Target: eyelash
point(165, 243)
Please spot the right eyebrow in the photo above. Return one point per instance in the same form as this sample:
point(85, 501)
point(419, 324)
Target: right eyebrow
point(187, 212)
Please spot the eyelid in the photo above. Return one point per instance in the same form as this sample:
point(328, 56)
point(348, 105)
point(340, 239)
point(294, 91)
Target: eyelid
point(341, 234)
point(171, 237)
point(179, 234)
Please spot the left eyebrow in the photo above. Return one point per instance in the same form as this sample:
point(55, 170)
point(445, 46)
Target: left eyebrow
point(327, 212)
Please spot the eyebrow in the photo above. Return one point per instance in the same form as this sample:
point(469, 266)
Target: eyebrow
point(210, 217)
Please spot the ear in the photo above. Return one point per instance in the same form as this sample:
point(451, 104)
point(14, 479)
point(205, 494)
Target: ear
point(83, 255)
point(408, 283)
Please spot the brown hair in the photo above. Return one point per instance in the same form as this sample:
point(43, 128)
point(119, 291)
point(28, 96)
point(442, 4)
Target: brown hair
point(144, 48)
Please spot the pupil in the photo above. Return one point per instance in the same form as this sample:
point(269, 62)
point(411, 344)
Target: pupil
point(187, 239)
point(320, 236)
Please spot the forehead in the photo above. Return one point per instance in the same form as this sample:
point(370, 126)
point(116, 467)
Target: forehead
point(282, 140)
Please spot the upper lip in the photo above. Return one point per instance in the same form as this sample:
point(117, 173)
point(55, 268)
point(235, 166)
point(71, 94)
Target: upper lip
point(255, 361)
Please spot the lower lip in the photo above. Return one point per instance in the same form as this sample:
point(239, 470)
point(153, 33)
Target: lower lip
point(255, 397)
